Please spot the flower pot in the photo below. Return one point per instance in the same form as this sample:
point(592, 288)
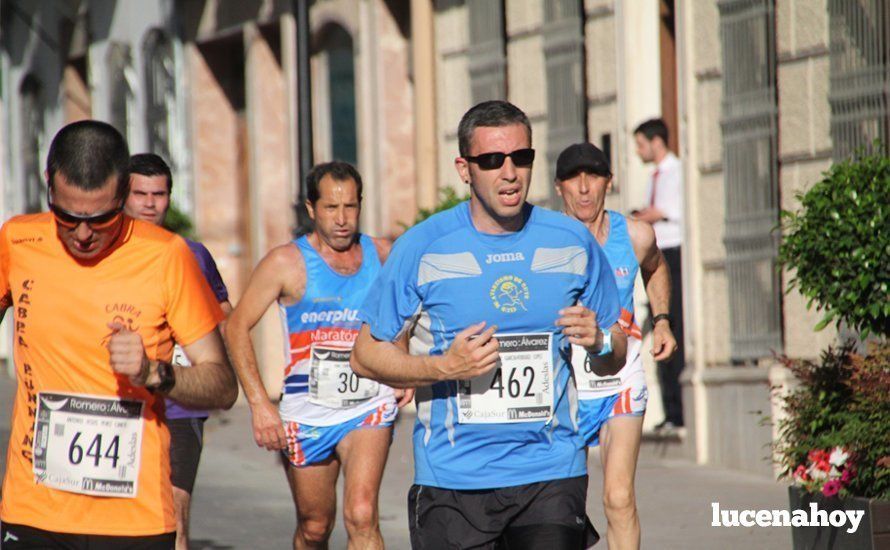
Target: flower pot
point(873, 532)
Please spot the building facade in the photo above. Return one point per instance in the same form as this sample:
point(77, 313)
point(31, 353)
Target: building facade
point(759, 96)
point(761, 99)
point(212, 87)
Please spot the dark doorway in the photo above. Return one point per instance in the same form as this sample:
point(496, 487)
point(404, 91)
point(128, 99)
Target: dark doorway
point(668, 49)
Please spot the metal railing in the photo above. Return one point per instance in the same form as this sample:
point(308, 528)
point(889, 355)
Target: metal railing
point(859, 90)
point(750, 164)
point(566, 86)
point(487, 55)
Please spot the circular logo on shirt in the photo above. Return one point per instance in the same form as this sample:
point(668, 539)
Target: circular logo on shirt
point(509, 294)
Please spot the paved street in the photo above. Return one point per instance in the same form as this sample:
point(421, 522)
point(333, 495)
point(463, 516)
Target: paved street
point(242, 500)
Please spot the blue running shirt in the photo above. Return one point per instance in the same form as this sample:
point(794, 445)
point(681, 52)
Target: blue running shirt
point(327, 314)
point(443, 276)
point(619, 251)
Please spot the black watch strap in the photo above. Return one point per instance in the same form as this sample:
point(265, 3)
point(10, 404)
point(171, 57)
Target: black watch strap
point(166, 378)
point(661, 316)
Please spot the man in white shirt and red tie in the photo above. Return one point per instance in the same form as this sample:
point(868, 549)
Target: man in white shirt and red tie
point(665, 213)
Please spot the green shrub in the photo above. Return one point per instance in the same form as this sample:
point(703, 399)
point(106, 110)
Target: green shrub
point(179, 222)
point(838, 244)
point(448, 198)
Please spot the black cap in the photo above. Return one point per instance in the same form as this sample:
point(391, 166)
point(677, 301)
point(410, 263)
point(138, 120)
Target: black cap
point(579, 157)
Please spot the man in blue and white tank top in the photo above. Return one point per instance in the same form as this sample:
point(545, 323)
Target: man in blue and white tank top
point(492, 294)
point(328, 416)
point(612, 406)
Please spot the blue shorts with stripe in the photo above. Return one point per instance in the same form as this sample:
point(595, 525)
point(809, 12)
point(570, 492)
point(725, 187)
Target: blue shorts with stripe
point(592, 414)
point(307, 445)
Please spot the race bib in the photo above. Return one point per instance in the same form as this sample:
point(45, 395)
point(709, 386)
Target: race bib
point(519, 389)
point(585, 378)
point(179, 357)
point(87, 444)
point(333, 384)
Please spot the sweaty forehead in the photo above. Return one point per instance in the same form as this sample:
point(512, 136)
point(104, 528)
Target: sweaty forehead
point(335, 190)
point(504, 139)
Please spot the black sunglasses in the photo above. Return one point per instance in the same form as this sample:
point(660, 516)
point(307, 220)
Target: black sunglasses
point(492, 161)
point(72, 220)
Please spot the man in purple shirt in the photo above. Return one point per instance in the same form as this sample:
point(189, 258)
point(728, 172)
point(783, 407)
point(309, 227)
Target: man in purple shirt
point(149, 199)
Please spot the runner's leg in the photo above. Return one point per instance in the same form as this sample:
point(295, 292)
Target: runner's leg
point(186, 443)
point(363, 453)
point(181, 505)
point(620, 447)
point(314, 489)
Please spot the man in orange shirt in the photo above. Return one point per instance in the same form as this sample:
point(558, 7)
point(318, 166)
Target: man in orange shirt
point(98, 299)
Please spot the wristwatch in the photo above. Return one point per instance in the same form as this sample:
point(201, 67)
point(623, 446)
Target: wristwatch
point(607, 343)
point(661, 316)
point(166, 379)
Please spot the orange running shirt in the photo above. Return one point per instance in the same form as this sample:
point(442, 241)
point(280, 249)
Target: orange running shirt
point(61, 310)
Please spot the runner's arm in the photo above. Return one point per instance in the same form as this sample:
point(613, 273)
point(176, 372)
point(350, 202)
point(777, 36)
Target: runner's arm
point(657, 280)
point(265, 286)
point(609, 364)
point(580, 326)
point(281, 274)
point(650, 214)
point(389, 363)
point(209, 383)
point(227, 308)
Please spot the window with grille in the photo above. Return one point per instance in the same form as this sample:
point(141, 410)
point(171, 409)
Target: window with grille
point(487, 58)
point(566, 90)
point(121, 92)
point(750, 168)
point(860, 75)
point(31, 123)
point(160, 92)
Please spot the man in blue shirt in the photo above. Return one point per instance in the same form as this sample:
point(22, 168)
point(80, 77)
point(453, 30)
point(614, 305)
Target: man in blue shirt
point(492, 293)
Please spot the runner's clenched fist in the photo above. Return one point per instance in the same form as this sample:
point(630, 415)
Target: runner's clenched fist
point(473, 352)
point(127, 354)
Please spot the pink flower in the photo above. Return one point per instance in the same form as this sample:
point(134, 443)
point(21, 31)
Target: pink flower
point(847, 476)
point(801, 473)
point(831, 488)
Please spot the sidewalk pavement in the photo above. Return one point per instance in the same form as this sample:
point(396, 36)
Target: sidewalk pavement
point(242, 500)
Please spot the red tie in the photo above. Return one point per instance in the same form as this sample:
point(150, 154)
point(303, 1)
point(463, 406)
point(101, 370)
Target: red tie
point(654, 182)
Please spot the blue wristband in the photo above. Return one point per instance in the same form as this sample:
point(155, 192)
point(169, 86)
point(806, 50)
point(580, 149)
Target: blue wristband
point(607, 343)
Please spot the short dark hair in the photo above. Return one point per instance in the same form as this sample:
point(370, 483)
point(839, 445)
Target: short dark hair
point(338, 170)
point(89, 152)
point(653, 128)
point(150, 164)
point(495, 113)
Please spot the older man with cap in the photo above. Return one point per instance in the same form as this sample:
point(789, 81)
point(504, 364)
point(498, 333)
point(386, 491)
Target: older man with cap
point(611, 407)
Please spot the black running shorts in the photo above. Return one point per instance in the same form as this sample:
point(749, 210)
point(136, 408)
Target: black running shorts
point(22, 537)
point(547, 514)
point(186, 442)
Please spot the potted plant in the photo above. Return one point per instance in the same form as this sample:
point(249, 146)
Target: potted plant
point(834, 444)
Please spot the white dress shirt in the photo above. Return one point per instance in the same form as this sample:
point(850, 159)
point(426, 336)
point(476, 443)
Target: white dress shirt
point(667, 184)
